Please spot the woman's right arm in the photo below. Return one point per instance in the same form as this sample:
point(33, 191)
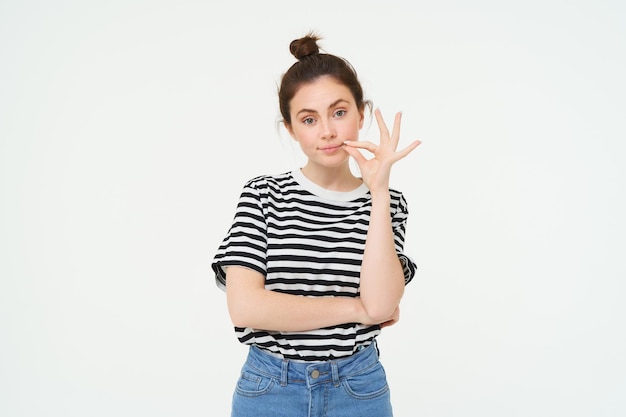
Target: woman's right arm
point(251, 305)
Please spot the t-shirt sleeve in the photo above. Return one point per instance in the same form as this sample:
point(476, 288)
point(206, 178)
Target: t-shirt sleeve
point(398, 222)
point(245, 243)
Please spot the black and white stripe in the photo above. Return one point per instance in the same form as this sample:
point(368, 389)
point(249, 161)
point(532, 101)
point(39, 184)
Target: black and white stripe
point(306, 241)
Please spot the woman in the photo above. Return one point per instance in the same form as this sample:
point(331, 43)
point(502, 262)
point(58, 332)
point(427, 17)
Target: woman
point(313, 264)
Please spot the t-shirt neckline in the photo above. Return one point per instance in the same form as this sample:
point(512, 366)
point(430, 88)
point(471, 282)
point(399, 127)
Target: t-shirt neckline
point(310, 186)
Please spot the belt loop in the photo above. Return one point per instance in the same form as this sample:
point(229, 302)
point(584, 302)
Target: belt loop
point(335, 371)
point(283, 373)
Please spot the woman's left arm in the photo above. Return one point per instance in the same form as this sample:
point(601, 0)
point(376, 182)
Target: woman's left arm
point(382, 275)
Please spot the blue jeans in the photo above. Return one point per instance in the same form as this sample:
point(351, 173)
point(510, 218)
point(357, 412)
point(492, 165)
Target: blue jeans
point(352, 387)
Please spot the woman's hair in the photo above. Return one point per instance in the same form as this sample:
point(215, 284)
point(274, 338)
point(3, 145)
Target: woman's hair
point(312, 65)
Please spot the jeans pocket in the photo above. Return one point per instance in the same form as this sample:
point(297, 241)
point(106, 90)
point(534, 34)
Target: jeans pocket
point(252, 384)
point(368, 384)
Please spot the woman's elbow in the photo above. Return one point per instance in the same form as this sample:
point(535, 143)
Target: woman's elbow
point(239, 316)
point(240, 312)
point(380, 312)
point(380, 309)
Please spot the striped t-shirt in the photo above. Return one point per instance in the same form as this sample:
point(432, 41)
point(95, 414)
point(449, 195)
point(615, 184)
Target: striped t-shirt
point(306, 241)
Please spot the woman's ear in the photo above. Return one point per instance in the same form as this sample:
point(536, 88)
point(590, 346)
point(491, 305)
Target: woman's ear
point(362, 114)
point(290, 130)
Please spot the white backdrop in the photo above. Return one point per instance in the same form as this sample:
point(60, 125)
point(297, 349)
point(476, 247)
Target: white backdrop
point(127, 129)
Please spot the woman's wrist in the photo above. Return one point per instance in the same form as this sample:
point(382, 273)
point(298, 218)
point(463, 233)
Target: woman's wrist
point(380, 194)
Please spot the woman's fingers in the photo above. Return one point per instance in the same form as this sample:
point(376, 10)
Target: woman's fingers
point(384, 131)
point(382, 127)
point(404, 152)
point(386, 149)
point(395, 133)
point(354, 152)
point(363, 145)
point(369, 146)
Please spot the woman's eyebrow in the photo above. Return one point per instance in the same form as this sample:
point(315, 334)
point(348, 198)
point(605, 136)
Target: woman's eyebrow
point(333, 104)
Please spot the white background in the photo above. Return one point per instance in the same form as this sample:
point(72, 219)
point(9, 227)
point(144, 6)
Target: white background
point(127, 129)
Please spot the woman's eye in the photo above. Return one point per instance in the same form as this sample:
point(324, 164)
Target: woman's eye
point(308, 121)
point(340, 113)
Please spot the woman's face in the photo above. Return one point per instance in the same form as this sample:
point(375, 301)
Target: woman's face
point(323, 116)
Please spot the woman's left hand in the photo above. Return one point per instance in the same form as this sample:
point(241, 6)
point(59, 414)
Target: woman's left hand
point(376, 171)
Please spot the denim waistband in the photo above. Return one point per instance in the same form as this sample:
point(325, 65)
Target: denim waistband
point(311, 373)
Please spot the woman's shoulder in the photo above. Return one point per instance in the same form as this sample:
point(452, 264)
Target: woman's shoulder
point(398, 200)
point(396, 194)
point(264, 181)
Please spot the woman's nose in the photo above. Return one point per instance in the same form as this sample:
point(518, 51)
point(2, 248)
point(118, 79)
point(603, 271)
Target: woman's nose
point(328, 130)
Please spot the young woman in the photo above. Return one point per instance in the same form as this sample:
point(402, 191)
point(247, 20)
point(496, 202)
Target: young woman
point(313, 264)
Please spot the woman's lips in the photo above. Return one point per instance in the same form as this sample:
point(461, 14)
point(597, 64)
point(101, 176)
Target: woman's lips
point(330, 149)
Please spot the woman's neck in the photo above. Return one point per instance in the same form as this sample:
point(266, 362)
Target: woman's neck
point(333, 179)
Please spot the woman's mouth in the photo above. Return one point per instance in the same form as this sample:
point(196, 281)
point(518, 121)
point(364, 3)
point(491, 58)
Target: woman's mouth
point(330, 149)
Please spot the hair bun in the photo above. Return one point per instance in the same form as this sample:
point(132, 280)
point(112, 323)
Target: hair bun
point(304, 46)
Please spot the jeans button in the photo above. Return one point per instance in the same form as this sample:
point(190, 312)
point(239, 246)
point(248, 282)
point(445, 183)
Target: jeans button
point(315, 374)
